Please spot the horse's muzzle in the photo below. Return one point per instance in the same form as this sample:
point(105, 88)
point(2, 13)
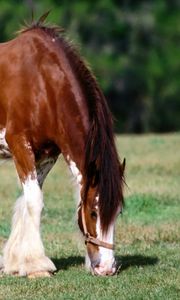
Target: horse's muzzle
point(103, 270)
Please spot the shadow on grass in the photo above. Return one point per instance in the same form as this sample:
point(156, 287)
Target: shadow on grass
point(128, 261)
point(65, 263)
point(124, 262)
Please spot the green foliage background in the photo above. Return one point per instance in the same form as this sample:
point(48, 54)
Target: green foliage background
point(132, 46)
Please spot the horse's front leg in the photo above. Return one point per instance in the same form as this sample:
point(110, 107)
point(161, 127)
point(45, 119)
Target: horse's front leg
point(23, 253)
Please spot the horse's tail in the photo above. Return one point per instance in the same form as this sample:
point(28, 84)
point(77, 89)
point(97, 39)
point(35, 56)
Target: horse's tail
point(102, 166)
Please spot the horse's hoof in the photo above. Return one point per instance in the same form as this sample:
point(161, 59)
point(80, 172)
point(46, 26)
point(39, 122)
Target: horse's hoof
point(39, 274)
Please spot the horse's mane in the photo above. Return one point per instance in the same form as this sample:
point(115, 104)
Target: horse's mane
point(102, 167)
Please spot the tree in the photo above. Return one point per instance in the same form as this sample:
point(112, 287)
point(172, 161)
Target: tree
point(132, 47)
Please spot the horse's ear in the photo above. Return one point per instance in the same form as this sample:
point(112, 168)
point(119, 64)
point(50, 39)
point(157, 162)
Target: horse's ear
point(43, 17)
point(123, 165)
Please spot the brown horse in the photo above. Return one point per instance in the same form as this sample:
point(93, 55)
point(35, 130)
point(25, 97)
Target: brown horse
point(50, 103)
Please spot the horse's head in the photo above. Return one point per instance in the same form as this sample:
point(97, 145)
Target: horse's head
point(100, 248)
point(97, 213)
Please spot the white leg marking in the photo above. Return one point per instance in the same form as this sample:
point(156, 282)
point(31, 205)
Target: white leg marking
point(4, 149)
point(75, 171)
point(77, 175)
point(24, 251)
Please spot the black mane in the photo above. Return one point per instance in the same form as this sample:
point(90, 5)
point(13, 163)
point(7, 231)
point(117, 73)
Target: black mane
point(102, 167)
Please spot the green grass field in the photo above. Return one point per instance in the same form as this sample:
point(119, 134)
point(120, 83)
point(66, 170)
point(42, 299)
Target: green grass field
point(147, 235)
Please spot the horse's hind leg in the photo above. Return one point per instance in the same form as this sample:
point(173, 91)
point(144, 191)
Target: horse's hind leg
point(24, 251)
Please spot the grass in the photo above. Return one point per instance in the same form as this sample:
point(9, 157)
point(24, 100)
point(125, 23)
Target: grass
point(147, 235)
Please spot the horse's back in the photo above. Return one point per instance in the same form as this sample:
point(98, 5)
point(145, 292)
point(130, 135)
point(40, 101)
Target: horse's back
point(27, 72)
point(39, 96)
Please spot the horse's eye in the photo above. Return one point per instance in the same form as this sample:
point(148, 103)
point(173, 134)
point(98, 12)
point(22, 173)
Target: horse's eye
point(93, 215)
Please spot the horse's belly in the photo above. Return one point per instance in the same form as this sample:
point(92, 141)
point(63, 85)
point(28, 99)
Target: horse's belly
point(4, 149)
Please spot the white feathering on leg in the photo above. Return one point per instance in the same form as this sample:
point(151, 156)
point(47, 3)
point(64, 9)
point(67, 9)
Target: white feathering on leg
point(24, 251)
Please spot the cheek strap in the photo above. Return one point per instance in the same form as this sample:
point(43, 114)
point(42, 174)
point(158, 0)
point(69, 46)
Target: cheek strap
point(89, 238)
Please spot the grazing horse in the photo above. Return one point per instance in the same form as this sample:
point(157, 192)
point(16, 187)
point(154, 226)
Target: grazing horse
point(50, 103)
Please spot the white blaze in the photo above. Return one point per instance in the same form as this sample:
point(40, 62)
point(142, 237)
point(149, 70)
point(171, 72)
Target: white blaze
point(106, 255)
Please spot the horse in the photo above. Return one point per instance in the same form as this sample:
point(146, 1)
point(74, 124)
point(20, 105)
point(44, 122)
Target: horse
point(51, 104)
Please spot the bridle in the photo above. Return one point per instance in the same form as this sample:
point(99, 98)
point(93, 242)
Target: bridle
point(88, 237)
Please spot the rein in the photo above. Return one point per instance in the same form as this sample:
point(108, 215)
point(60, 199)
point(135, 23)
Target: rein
point(88, 237)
